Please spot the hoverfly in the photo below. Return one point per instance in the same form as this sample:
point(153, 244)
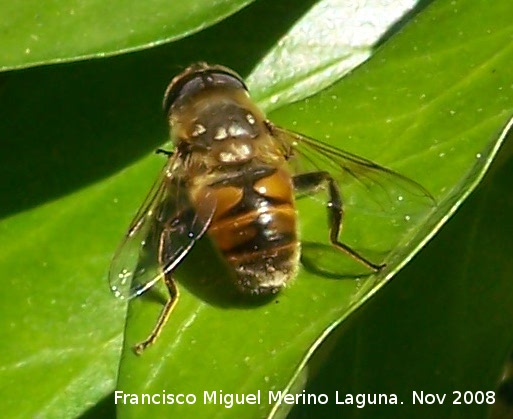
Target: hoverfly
point(233, 175)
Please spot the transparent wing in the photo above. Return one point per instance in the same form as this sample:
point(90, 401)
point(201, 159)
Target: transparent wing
point(162, 233)
point(363, 183)
point(382, 208)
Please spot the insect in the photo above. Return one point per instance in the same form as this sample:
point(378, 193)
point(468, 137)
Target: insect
point(233, 175)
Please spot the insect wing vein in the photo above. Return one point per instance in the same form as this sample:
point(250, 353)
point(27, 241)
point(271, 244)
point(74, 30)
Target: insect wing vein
point(375, 186)
point(161, 234)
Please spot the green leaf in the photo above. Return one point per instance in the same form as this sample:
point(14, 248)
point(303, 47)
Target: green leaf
point(444, 324)
point(74, 171)
point(325, 44)
point(59, 31)
point(431, 133)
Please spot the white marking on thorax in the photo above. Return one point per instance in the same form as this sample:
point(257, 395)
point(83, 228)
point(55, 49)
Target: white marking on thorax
point(236, 153)
point(235, 130)
point(221, 134)
point(250, 118)
point(198, 130)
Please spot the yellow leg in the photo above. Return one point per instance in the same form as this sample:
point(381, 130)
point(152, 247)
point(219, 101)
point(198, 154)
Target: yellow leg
point(164, 316)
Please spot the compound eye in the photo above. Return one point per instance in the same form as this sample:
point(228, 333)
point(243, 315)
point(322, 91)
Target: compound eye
point(195, 80)
point(223, 79)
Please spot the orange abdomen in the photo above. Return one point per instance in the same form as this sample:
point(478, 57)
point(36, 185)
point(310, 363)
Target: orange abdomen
point(255, 227)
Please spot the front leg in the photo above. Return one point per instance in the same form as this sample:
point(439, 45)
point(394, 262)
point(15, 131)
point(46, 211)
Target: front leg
point(163, 317)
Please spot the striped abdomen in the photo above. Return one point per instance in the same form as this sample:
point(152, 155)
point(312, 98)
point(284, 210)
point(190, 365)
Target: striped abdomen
point(255, 227)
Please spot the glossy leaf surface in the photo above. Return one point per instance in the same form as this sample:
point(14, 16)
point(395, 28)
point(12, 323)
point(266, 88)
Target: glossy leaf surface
point(77, 164)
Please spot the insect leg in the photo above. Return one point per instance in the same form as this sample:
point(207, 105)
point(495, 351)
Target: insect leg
point(165, 152)
point(311, 183)
point(164, 315)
